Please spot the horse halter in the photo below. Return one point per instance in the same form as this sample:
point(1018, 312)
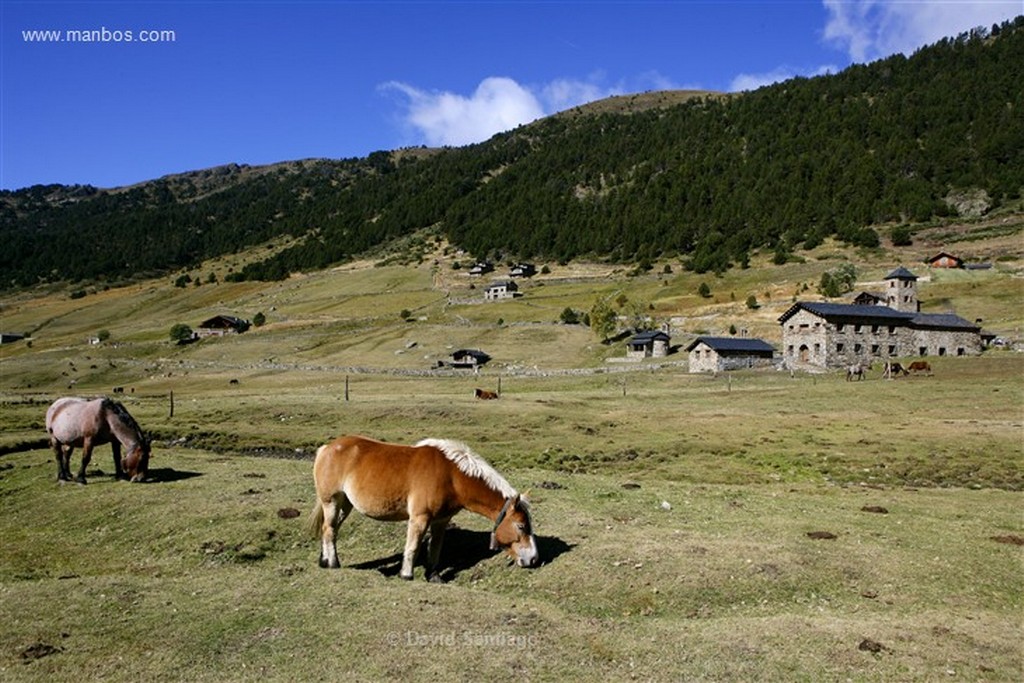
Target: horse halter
point(498, 521)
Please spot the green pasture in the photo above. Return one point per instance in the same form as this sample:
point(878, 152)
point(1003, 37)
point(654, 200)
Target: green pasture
point(755, 525)
point(673, 511)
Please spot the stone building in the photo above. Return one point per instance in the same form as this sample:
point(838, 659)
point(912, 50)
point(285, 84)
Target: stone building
point(828, 335)
point(717, 354)
point(648, 344)
point(502, 289)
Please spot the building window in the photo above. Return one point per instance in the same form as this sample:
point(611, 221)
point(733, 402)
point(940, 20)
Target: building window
point(839, 327)
point(839, 347)
point(922, 351)
point(875, 349)
point(892, 329)
point(942, 350)
point(892, 349)
point(857, 328)
point(960, 351)
point(817, 349)
point(857, 348)
point(874, 329)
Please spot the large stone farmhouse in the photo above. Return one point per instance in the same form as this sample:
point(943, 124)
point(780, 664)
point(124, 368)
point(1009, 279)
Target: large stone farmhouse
point(828, 335)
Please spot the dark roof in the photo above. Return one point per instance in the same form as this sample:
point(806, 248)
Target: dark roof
point(474, 353)
point(222, 321)
point(942, 321)
point(882, 315)
point(510, 284)
point(648, 336)
point(864, 295)
point(734, 344)
point(851, 311)
point(901, 273)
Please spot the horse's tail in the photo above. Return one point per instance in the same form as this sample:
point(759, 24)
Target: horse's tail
point(315, 523)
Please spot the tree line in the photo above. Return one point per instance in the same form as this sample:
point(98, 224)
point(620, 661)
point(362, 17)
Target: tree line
point(710, 181)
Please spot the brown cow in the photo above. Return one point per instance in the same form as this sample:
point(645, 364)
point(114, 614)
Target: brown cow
point(485, 395)
point(920, 366)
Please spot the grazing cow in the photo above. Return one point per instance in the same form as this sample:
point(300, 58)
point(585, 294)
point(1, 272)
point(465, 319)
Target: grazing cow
point(485, 395)
point(894, 369)
point(920, 366)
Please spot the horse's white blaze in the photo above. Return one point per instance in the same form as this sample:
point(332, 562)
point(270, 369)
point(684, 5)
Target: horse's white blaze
point(527, 556)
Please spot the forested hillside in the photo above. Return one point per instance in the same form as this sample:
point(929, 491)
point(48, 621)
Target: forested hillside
point(709, 180)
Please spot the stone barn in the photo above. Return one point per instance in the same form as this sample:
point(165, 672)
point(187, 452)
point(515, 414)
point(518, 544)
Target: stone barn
point(648, 344)
point(944, 260)
point(469, 358)
point(219, 325)
point(715, 354)
point(502, 289)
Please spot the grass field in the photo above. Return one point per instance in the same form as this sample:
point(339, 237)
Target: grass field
point(750, 526)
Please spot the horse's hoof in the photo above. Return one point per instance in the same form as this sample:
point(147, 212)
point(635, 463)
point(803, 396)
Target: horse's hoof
point(435, 578)
point(323, 563)
point(405, 578)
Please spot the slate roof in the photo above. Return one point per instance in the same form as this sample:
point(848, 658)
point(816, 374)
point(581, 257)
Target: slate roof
point(648, 336)
point(508, 284)
point(222, 321)
point(851, 311)
point(942, 321)
point(880, 314)
point(733, 345)
point(901, 273)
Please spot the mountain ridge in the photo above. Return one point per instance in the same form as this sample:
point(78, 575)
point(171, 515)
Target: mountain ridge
point(707, 177)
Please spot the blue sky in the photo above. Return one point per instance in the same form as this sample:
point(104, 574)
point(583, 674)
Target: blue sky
point(261, 81)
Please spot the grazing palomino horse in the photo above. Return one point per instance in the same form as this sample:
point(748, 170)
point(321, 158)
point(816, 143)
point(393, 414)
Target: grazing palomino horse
point(857, 370)
point(87, 423)
point(426, 484)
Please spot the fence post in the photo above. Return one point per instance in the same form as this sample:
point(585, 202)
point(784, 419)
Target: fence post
point(171, 414)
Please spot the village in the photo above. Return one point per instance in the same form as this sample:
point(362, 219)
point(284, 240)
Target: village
point(864, 327)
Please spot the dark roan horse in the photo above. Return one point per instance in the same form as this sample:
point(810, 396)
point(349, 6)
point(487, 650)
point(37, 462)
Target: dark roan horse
point(78, 422)
point(426, 484)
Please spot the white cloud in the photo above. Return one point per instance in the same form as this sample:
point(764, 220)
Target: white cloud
point(499, 104)
point(872, 29)
point(445, 118)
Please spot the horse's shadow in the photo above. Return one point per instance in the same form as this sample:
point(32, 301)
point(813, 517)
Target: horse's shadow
point(159, 475)
point(163, 475)
point(464, 549)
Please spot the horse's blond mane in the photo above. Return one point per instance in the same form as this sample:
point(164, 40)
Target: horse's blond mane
point(471, 464)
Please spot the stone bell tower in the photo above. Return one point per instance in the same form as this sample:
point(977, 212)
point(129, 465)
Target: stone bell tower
point(901, 292)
